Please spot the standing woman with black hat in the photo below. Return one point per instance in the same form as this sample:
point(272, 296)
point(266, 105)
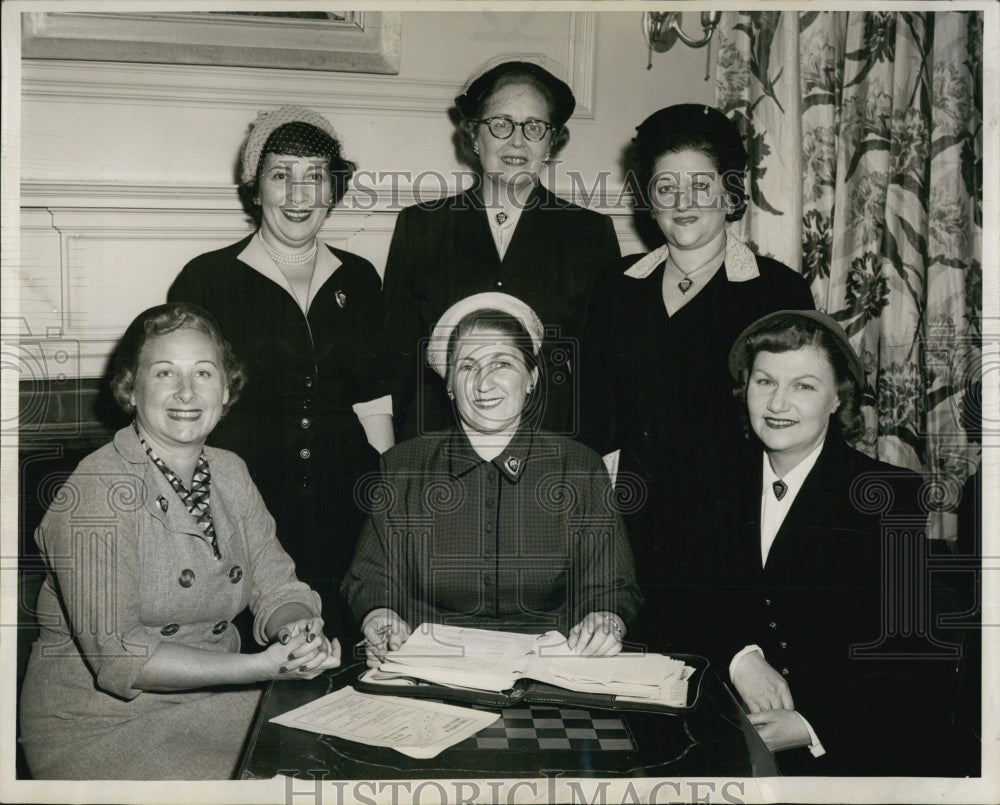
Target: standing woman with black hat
point(506, 233)
point(654, 370)
point(308, 320)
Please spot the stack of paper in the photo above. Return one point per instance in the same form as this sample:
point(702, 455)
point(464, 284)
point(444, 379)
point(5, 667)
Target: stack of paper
point(486, 660)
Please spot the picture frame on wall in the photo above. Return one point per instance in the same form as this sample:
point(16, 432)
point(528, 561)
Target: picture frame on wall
point(346, 41)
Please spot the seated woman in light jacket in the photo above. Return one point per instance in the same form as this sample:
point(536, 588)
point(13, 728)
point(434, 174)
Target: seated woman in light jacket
point(492, 523)
point(153, 546)
point(809, 557)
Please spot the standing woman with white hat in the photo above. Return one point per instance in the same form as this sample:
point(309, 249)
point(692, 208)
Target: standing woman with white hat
point(308, 320)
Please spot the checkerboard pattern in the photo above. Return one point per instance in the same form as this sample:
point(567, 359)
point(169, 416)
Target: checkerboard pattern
point(532, 728)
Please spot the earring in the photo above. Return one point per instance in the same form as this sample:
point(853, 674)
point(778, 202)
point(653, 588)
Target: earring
point(530, 389)
point(475, 149)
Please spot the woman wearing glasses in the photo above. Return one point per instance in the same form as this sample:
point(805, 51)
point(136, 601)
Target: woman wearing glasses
point(507, 233)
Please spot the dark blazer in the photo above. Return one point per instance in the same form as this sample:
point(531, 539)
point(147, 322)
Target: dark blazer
point(293, 424)
point(821, 608)
point(657, 388)
point(443, 252)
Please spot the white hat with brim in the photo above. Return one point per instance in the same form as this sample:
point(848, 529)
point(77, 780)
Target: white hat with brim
point(437, 348)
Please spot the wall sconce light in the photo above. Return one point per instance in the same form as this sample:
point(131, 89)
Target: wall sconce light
point(663, 28)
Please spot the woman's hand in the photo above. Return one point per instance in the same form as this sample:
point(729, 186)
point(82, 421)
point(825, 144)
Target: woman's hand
point(384, 631)
point(780, 729)
point(761, 687)
point(303, 656)
point(599, 634)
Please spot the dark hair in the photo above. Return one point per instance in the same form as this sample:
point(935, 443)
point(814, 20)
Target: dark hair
point(300, 139)
point(162, 320)
point(795, 333)
point(497, 321)
point(698, 128)
point(556, 93)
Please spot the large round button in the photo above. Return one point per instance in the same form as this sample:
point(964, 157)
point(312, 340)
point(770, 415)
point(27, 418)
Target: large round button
point(235, 574)
point(305, 423)
point(169, 629)
point(220, 627)
point(186, 579)
point(305, 452)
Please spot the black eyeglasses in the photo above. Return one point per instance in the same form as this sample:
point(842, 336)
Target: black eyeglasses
point(503, 127)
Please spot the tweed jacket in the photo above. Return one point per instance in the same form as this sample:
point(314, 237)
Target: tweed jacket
point(129, 567)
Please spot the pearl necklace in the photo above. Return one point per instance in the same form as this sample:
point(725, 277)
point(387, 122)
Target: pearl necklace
point(287, 258)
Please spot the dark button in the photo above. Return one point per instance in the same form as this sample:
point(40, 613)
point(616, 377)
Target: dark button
point(773, 625)
point(487, 580)
point(783, 644)
point(186, 579)
point(309, 382)
point(162, 502)
point(169, 629)
point(235, 574)
point(305, 423)
point(220, 627)
point(489, 528)
point(305, 452)
point(785, 672)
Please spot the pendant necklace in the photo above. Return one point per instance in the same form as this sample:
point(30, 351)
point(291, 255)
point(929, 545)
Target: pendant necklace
point(685, 284)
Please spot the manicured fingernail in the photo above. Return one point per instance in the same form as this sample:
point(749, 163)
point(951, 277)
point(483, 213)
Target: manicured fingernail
point(302, 668)
point(310, 638)
point(282, 669)
point(291, 657)
point(284, 638)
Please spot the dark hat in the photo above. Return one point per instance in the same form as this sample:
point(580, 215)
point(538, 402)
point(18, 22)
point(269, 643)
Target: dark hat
point(782, 319)
point(693, 120)
point(480, 88)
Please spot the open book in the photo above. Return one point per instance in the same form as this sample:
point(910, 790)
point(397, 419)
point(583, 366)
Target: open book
point(504, 667)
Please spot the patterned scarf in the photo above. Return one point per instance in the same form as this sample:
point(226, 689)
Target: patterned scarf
point(197, 499)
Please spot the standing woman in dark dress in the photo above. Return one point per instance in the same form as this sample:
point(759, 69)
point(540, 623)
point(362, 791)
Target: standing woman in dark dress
point(659, 330)
point(307, 319)
point(507, 233)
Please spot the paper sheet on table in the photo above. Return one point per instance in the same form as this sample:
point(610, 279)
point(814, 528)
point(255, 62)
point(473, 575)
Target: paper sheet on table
point(417, 728)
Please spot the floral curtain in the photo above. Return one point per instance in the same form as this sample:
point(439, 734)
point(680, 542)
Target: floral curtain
point(865, 174)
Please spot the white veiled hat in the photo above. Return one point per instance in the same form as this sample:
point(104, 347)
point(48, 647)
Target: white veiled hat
point(437, 348)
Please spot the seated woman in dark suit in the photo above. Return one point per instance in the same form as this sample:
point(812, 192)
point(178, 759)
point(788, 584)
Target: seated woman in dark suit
point(492, 523)
point(803, 553)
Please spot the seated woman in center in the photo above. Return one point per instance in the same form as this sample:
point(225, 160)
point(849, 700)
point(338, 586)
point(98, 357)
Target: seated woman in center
point(492, 523)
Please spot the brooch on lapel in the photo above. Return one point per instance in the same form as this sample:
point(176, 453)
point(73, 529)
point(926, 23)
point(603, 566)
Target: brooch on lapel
point(513, 464)
point(341, 298)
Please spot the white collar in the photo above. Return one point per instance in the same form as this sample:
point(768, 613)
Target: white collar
point(741, 264)
point(259, 260)
point(796, 476)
